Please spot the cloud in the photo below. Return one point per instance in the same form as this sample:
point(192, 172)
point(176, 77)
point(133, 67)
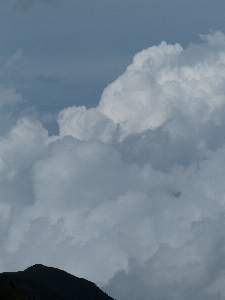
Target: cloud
point(130, 194)
point(188, 272)
point(164, 85)
point(9, 101)
point(86, 124)
point(12, 60)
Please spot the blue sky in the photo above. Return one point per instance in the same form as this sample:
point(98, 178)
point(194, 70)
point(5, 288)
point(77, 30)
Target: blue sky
point(112, 145)
point(71, 50)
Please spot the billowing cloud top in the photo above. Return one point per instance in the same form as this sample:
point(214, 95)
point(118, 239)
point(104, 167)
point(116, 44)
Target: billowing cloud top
point(131, 193)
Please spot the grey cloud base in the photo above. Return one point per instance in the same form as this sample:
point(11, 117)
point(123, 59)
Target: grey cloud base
point(130, 194)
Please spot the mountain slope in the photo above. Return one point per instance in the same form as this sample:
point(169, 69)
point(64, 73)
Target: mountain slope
point(9, 293)
point(47, 283)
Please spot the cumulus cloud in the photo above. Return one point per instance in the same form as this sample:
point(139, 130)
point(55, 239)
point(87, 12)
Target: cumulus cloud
point(131, 193)
point(86, 124)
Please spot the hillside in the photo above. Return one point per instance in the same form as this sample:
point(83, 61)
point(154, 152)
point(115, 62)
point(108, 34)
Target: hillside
point(9, 293)
point(47, 283)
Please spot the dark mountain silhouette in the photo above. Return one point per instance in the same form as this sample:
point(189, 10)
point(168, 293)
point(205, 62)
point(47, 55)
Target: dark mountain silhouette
point(8, 292)
point(46, 283)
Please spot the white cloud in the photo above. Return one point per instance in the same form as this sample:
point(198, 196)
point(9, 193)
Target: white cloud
point(131, 193)
point(86, 124)
point(166, 84)
point(188, 272)
point(214, 38)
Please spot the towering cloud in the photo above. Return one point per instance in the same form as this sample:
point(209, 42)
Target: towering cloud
point(131, 193)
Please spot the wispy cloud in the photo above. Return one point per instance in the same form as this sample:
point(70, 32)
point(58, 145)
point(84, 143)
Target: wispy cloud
point(26, 4)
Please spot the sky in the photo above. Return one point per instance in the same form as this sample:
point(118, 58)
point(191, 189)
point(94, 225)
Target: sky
point(112, 143)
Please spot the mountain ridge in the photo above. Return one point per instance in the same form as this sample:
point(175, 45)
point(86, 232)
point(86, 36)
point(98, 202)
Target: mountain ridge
point(39, 282)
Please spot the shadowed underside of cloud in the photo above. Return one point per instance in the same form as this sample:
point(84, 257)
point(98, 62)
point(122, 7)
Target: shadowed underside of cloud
point(131, 193)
